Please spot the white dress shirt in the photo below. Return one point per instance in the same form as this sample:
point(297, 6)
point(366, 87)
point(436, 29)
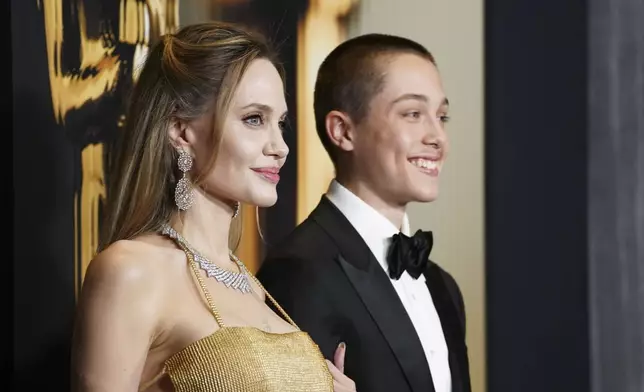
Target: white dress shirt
point(376, 231)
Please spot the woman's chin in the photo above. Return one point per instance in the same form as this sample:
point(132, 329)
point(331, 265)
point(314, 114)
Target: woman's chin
point(263, 201)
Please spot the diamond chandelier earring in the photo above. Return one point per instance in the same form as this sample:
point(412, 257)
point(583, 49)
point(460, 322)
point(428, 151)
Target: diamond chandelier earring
point(236, 211)
point(183, 193)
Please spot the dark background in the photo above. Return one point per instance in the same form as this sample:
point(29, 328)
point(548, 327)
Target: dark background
point(45, 176)
point(536, 142)
point(565, 195)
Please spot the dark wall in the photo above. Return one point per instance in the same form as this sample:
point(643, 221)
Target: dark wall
point(536, 145)
point(45, 175)
point(565, 195)
point(6, 93)
point(616, 194)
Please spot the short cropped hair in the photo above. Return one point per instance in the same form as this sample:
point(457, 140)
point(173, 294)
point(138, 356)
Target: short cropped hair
point(352, 75)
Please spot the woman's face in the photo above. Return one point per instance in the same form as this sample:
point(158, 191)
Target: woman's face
point(252, 149)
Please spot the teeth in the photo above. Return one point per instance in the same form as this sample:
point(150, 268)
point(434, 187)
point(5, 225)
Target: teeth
point(424, 163)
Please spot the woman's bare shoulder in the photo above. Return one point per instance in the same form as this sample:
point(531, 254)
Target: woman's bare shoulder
point(123, 307)
point(139, 265)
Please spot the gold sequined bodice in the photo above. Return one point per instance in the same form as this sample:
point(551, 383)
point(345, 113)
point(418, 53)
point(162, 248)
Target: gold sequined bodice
point(247, 359)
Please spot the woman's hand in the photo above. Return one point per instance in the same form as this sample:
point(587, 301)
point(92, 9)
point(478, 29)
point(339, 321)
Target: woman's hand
point(341, 383)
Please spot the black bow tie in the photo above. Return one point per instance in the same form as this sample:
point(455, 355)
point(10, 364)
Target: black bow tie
point(409, 254)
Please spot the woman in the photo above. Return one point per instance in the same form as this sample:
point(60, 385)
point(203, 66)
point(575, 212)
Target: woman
point(165, 305)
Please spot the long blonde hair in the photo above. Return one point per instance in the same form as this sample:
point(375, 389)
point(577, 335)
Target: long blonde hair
point(185, 75)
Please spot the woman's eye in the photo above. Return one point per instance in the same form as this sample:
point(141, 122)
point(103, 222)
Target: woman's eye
point(445, 119)
point(254, 120)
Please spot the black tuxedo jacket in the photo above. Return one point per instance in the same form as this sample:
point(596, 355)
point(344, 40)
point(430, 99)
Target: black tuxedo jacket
point(326, 278)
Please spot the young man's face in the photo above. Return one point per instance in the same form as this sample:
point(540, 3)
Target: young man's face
point(401, 145)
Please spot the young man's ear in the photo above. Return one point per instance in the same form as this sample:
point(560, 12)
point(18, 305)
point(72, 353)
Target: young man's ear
point(340, 130)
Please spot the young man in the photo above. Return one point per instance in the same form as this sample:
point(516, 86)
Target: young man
point(350, 273)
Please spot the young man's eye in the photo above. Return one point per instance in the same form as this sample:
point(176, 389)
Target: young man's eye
point(413, 115)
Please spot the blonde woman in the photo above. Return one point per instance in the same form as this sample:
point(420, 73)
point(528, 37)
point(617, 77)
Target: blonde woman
point(165, 305)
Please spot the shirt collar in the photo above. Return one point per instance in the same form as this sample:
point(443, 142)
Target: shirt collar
point(374, 228)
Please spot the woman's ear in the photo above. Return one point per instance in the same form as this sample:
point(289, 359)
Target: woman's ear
point(340, 130)
point(177, 133)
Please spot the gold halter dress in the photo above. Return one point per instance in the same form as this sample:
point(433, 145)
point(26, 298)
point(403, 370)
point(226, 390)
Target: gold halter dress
point(247, 359)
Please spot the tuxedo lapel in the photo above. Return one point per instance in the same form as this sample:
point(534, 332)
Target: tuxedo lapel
point(377, 294)
point(451, 324)
point(380, 298)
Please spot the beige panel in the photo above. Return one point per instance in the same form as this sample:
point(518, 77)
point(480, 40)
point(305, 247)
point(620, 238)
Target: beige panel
point(453, 31)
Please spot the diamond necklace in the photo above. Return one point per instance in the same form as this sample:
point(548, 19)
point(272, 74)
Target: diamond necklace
point(235, 280)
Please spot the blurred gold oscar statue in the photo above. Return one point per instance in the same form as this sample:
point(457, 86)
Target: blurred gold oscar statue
point(93, 78)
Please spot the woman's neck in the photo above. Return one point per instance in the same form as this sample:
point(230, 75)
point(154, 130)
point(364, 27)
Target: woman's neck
point(206, 225)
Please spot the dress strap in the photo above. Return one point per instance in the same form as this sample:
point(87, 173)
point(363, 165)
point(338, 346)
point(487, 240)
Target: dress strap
point(145, 386)
point(202, 284)
point(270, 297)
